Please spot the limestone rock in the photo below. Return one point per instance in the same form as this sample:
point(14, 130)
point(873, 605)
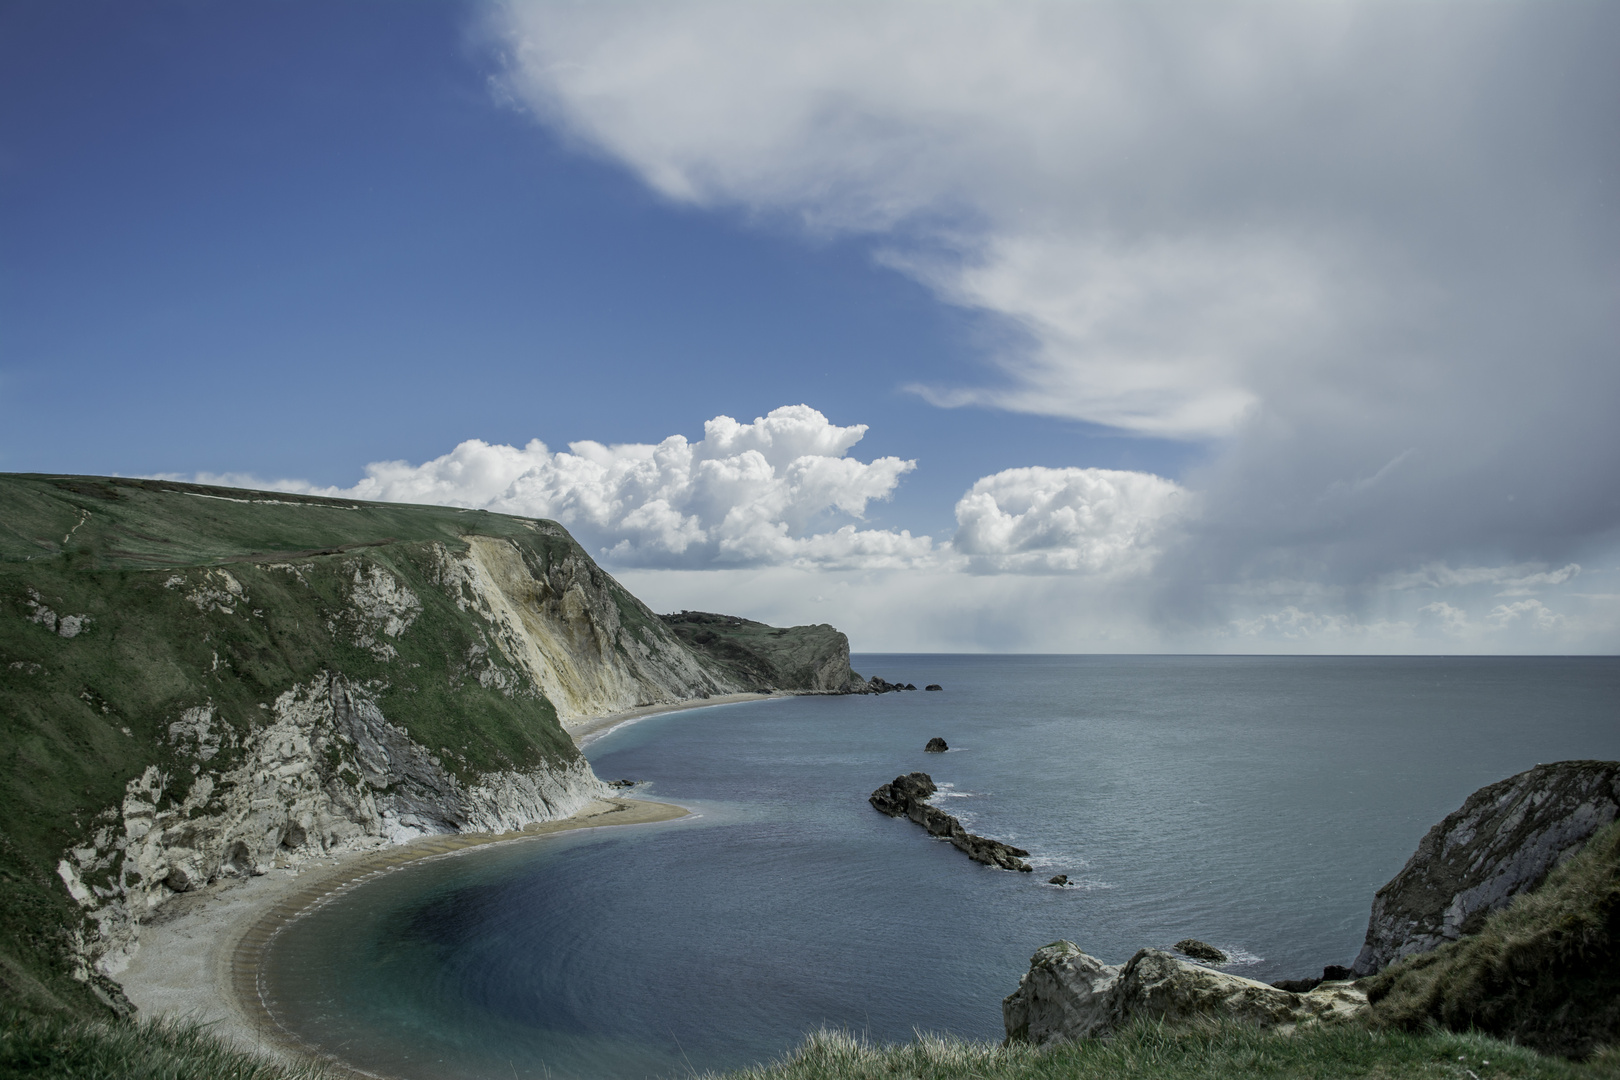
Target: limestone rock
point(1501, 842)
point(1199, 950)
point(936, 745)
point(1068, 994)
point(905, 797)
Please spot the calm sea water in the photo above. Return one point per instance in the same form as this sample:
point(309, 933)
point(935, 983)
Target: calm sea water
point(1256, 803)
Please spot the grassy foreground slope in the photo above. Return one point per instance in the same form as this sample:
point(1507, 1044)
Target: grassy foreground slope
point(1150, 1052)
point(148, 630)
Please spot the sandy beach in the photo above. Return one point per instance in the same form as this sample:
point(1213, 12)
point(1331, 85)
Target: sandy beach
point(588, 731)
point(199, 955)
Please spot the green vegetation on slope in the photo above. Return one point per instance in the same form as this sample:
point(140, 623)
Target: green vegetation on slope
point(1544, 971)
point(63, 1048)
point(762, 657)
point(1151, 1052)
point(125, 602)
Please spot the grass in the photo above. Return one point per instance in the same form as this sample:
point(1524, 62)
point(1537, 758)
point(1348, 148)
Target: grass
point(1152, 1052)
point(1544, 971)
point(62, 1048)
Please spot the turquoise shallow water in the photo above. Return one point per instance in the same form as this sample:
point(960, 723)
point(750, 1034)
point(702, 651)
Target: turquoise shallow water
point(1256, 803)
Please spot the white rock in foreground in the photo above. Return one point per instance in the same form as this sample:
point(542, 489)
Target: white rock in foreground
point(1067, 994)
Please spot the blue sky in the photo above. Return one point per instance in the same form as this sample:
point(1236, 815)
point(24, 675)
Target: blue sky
point(1253, 327)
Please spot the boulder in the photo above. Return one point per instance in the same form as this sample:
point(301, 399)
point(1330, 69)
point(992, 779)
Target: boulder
point(1199, 950)
point(1502, 841)
point(1061, 879)
point(933, 686)
point(905, 797)
point(877, 684)
point(936, 745)
point(911, 686)
point(1067, 994)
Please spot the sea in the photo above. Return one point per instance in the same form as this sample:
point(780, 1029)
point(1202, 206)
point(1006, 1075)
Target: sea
point(1255, 803)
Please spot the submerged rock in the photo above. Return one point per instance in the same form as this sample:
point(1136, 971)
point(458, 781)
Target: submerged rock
point(1199, 950)
point(1068, 994)
point(1502, 841)
point(1061, 879)
point(904, 797)
point(936, 745)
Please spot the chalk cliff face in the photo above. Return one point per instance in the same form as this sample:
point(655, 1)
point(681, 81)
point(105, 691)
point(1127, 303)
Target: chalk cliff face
point(1502, 841)
point(203, 682)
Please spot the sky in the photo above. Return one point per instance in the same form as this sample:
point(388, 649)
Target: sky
point(1136, 326)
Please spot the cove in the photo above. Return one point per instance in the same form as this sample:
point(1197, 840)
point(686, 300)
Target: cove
point(1256, 803)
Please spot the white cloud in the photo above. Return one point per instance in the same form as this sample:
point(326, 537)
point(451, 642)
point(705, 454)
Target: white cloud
point(1533, 612)
point(1146, 190)
point(1041, 520)
point(743, 495)
point(1515, 580)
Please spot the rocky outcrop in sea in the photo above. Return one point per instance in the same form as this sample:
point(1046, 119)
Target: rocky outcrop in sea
point(906, 797)
point(1500, 843)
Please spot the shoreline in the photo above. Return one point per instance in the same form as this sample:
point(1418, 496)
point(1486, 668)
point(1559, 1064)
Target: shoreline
point(199, 956)
point(588, 731)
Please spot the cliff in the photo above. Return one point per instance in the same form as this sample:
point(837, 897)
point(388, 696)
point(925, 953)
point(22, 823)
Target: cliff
point(812, 659)
point(203, 682)
point(1502, 842)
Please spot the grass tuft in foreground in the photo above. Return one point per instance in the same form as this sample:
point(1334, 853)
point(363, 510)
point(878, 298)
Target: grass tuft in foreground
point(61, 1048)
point(1152, 1052)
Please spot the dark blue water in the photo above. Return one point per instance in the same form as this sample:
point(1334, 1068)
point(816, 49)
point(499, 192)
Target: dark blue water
point(1256, 803)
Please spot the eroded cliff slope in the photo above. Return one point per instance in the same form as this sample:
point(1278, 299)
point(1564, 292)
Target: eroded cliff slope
point(201, 682)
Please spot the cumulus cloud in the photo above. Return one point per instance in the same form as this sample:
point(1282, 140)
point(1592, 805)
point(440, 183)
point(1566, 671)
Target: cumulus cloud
point(743, 495)
point(1369, 249)
point(1041, 520)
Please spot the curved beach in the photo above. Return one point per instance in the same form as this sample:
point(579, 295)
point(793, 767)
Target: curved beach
point(199, 957)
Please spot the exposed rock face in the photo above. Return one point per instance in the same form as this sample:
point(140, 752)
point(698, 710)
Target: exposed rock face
point(1199, 950)
point(936, 745)
point(563, 623)
point(1503, 841)
point(905, 797)
point(326, 774)
point(754, 656)
point(1067, 994)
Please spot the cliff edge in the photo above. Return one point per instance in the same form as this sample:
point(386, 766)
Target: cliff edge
point(200, 682)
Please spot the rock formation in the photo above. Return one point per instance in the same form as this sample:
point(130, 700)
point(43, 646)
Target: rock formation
point(1199, 950)
point(1067, 994)
point(879, 685)
point(800, 659)
point(1500, 843)
point(933, 686)
point(1059, 879)
point(906, 796)
point(936, 745)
